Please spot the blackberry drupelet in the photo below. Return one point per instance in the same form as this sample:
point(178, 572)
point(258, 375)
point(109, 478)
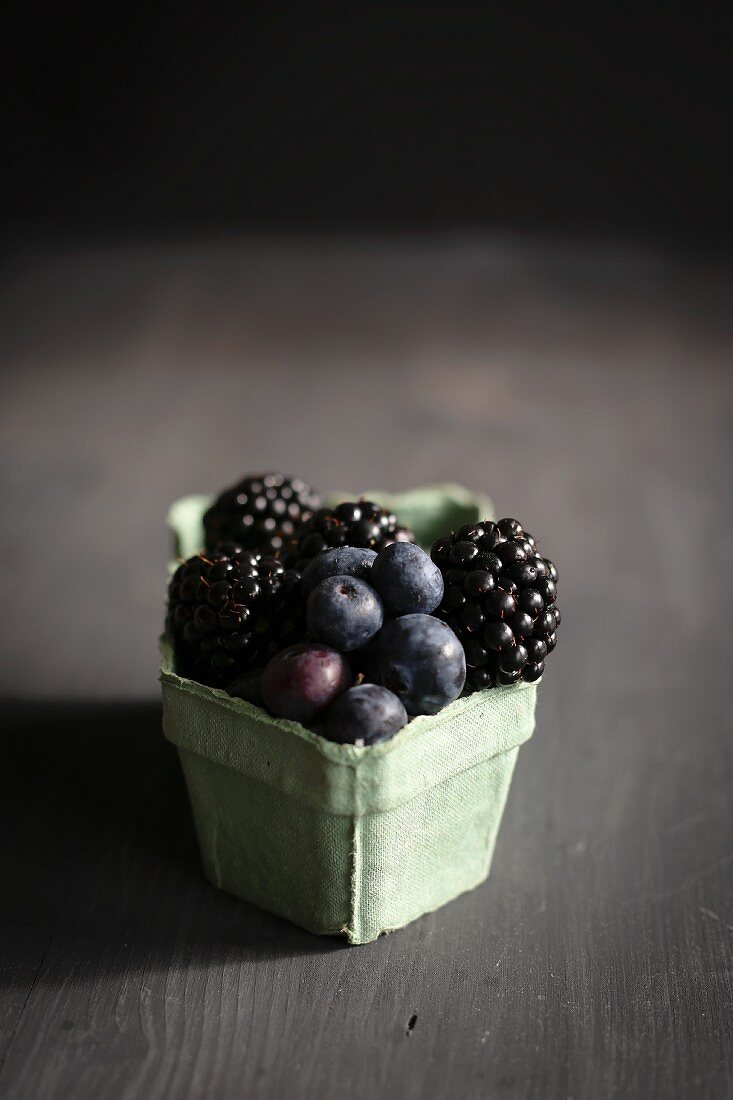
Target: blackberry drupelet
point(260, 512)
point(500, 600)
point(229, 611)
point(353, 523)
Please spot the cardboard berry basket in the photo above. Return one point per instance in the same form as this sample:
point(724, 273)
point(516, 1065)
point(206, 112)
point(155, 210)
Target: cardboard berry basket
point(338, 839)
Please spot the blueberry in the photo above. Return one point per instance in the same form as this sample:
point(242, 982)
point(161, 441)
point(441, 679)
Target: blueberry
point(344, 612)
point(302, 680)
point(248, 687)
point(406, 579)
point(364, 715)
point(341, 561)
point(421, 660)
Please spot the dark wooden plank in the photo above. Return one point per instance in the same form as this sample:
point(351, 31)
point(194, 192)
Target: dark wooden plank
point(590, 394)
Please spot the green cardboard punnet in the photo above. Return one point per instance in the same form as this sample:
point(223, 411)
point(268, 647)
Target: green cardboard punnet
point(338, 839)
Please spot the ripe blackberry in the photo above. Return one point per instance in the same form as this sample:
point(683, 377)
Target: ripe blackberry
point(500, 600)
point(230, 610)
point(353, 523)
point(260, 512)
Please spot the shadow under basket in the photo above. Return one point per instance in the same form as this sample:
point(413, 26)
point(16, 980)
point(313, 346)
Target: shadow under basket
point(338, 839)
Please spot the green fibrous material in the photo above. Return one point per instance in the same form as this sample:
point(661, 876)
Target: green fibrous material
point(338, 839)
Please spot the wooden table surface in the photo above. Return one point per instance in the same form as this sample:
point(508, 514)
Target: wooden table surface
point(588, 390)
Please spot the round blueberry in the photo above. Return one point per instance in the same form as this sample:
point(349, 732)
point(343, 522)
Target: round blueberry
point(344, 612)
point(364, 715)
point(421, 660)
point(406, 579)
point(341, 561)
point(302, 680)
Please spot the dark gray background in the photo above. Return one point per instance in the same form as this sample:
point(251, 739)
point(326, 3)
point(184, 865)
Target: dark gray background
point(588, 390)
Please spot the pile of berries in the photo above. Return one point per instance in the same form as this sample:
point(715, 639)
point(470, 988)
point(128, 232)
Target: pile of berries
point(344, 624)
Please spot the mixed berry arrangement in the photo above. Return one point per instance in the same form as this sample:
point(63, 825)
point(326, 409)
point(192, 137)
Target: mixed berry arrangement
point(335, 618)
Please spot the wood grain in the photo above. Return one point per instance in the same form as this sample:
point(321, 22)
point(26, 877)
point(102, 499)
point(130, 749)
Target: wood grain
point(589, 392)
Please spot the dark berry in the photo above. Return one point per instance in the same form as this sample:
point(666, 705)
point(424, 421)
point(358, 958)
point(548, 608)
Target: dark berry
point(510, 528)
point(248, 687)
point(222, 628)
point(476, 655)
point(471, 617)
point(498, 635)
point(500, 603)
point(260, 512)
point(470, 532)
point(523, 573)
point(532, 671)
point(491, 537)
point(421, 660)
point(454, 598)
point(529, 600)
point(514, 659)
point(364, 715)
point(545, 623)
point(441, 550)
point(521, 624)
point(302, 680)
point(547, 589)
point(341, 561)
point(551, 642)
point(536, 649)
point(344, 612)
point(506, 583)
point(407, 579)
point(478, 583)
point(488, 561)
point(353, 523)
point(463, 554)
point(510, 552)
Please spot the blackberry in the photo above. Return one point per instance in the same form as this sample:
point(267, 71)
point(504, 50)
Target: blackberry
point(354, 523)
point(260, 512)
point(500, 600)
point(229, 611)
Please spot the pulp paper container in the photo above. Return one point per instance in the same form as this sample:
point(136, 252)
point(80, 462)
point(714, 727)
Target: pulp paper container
point(344, 840)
